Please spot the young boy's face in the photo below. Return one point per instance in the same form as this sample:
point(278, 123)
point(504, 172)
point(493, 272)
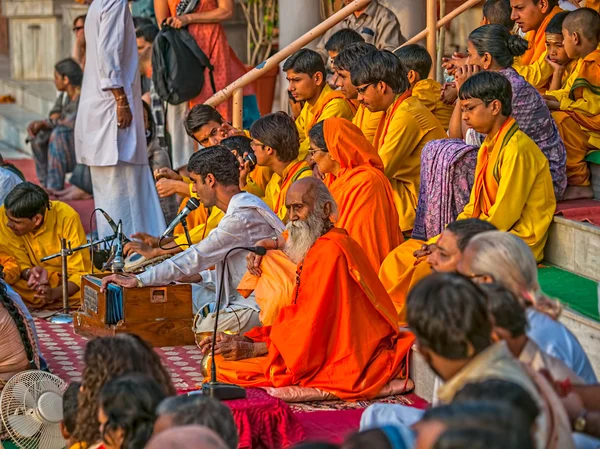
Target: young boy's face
point(556, 49)
point(477, 115)
point(529, 14)
point(570, 42)
point(344, 83)
point(302, 86)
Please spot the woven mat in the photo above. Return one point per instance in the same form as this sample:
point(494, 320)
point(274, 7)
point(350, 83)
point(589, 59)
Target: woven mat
point(404, 399)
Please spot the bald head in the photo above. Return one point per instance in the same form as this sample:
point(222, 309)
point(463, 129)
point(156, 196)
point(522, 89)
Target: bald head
point(585, 22)
point(313, 194)
point(187, 437)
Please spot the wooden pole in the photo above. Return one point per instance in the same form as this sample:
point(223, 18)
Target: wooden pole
point(443, 21)
point(238, 106)
point(431, 34)
point(441, 44)
point(274, 60)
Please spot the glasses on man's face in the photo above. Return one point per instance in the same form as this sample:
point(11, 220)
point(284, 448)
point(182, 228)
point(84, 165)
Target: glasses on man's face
point(361, 90)
point(312, 151)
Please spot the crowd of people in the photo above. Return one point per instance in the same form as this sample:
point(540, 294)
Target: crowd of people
point(396, 211)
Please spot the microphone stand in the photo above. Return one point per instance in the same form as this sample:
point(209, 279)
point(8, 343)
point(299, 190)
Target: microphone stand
point(187, 232)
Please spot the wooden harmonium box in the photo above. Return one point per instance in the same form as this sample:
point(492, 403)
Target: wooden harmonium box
point(163, 316)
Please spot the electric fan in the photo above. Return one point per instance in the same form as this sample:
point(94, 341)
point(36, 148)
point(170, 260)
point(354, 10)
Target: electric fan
point(31, 409)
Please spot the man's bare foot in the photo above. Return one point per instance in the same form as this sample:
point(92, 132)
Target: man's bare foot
point(578, 193)
point(59, 193)
point(75, 193)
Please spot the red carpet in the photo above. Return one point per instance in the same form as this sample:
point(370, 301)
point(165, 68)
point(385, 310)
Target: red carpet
point(580, 210)
point(83, 207)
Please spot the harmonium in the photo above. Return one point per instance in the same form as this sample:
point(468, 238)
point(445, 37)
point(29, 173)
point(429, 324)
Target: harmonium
point(163, 316)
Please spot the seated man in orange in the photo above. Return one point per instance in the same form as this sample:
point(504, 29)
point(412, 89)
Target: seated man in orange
point(382, 85)
point(364, 196)
point(31, 228)
point(336, 290)
point(404, 267)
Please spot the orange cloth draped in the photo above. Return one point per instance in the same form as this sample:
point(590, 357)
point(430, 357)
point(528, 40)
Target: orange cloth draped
point(401, 271)
point(537, 40)
point(195, 218)
point(363, 194)
point(340, 334)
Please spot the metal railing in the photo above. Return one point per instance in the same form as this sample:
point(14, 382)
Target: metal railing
point(235, 89)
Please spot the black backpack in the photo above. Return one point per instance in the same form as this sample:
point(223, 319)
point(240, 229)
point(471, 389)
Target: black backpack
point(178, 66)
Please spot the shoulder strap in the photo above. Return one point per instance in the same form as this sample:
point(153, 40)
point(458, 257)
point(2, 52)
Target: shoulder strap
point(191, 43)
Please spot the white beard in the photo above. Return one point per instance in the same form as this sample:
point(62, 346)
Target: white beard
point(302, 236)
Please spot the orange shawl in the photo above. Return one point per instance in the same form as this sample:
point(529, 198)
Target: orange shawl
point(362, 192)
point(340, 333)
point(537, 40)
point(588, 78)
point(486, 184)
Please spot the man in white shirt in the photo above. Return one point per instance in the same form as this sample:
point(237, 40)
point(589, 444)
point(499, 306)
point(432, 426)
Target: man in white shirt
point(247, 219)
point(8, 181)
point(109, 132)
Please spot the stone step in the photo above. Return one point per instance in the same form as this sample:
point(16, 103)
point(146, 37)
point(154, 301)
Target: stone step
point(574, 246)
point(35, 96)
point(14, 120)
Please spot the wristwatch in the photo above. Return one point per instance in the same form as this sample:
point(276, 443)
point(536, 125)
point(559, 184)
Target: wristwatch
point(580, 422)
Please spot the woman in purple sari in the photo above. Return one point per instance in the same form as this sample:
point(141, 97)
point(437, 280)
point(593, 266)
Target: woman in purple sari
point(448, 165)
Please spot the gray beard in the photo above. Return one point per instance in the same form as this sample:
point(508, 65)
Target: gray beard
point(302, 235)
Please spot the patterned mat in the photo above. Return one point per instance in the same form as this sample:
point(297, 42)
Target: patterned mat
point(403, 399)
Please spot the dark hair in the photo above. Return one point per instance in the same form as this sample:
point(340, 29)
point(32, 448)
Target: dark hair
point(147, 31)
point(69, 401)
point(203, 411)
point(241, 144)
point(584, 21)
point(151, 129)
point(199, 116)
point(448, 314)
point(378, 66)
point(305, 61)
point(498, 12)
point(81, 17)
point(465, 230)
point(499, 43)
point(141, 21)
point(69, 68)
point(508, 313)
point(484, 438)
point(551, 3)
point(129, 403)
point(278, 131)
point(488, 86)
point(317, 135)
point(500, 391)
point(26, 200)
point(219, 161)
point(415, 57)
point(106, 358)
point(556, 23)
point(341, 39)
point(350, 55)
point(17, 316)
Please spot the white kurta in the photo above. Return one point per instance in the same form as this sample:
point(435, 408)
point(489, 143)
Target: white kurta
point(112, 62)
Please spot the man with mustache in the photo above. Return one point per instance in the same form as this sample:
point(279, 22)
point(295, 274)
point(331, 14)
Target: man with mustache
point(337, 290)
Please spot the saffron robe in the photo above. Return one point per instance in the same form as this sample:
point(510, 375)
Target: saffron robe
point(367, 121)
point(513, 187)
point(402, 133)
point(330, 103)
point(429, 93)
point(537, 40)
point(314, 342)
point(61, 221)
point(578, 120)
point(277, 187)
point(363, 194)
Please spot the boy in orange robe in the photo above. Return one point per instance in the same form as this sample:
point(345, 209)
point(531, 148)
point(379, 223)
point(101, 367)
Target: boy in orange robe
point(577, 104)
point(362, 349)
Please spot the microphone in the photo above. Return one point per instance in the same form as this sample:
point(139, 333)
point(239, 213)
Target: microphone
point(220, 390)
point(118, 262)
point(191, 205)
point(112, 224)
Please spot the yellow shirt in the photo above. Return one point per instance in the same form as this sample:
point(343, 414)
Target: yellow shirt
point(524, 204)
point(337, 107)
point(199, 232)
point(278, 187)
point(401, 136)
point(367, 121)
point(429, 93)
point(538, 73)
point(61, 221)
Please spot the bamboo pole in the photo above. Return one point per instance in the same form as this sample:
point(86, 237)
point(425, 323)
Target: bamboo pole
point(443, 21)
point(238, 106)
point(274, 60)
point(431, 34)
point(439, 75)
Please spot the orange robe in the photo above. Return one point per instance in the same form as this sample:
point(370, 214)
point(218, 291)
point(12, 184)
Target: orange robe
point(401, 271)
point(363, 194)
point(537, 40)
point(340, 334)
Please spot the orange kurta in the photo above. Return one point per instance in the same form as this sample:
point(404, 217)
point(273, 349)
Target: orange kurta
point(340, 334)
point(362, 192)
point(537, 40)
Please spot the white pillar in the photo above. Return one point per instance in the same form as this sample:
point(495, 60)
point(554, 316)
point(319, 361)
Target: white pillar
point(296, 17)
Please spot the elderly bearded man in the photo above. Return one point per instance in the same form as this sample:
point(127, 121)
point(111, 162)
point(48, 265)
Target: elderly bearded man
point(337, 291)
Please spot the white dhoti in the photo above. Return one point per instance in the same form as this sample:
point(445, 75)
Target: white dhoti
point(127, 192)
point(182, 145)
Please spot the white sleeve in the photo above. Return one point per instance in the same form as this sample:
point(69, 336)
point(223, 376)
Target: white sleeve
point(111, 38)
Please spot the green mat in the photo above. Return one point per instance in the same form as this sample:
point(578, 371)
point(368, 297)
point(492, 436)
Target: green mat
point(579, 293)
point(593, 157)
